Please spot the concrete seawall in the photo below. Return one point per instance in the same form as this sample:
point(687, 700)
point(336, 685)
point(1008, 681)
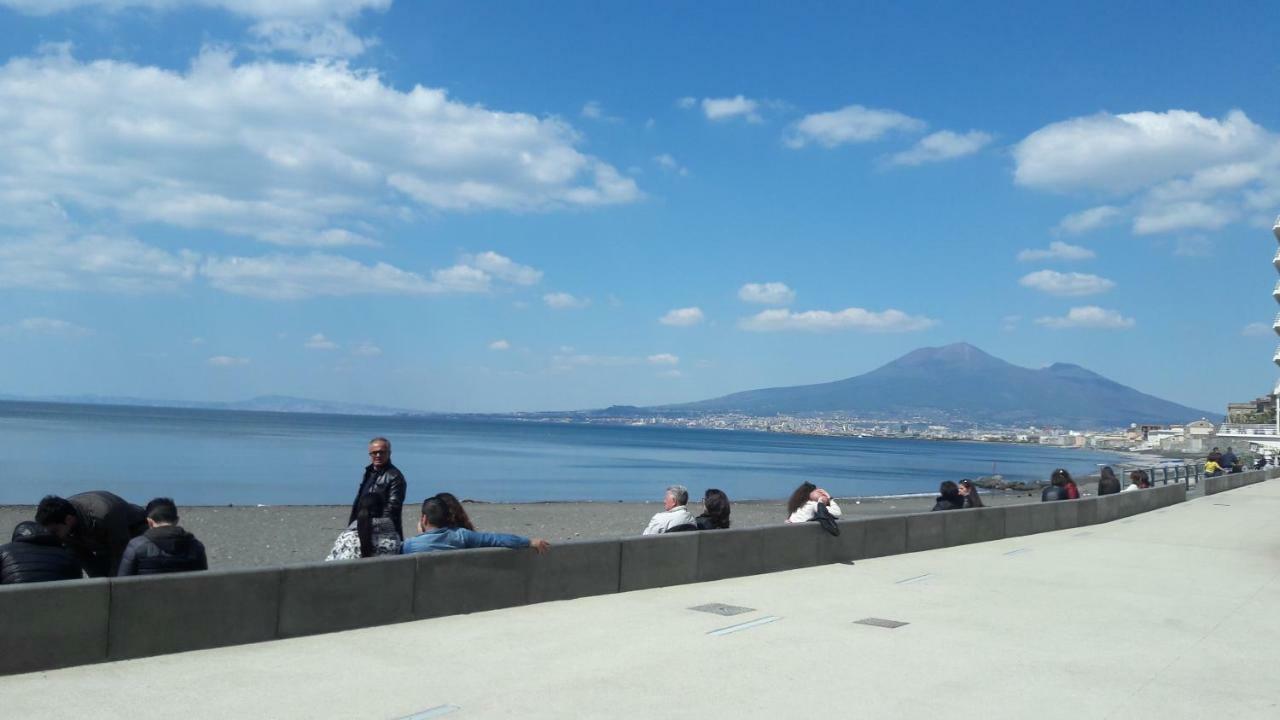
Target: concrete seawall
point(46, 626)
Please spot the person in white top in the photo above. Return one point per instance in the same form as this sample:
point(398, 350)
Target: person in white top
point(674, 513)
point(803, 505)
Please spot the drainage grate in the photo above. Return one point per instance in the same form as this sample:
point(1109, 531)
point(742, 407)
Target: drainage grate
point(722, 609)
point(880, 622)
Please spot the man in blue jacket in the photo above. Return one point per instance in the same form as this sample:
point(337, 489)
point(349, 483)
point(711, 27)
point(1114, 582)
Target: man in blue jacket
point(437, 535)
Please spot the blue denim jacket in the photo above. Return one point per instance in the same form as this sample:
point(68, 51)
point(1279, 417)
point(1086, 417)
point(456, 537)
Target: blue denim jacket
point(460, 538)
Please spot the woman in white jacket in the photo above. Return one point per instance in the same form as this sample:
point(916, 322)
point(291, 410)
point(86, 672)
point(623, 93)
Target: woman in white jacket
point(803, 505)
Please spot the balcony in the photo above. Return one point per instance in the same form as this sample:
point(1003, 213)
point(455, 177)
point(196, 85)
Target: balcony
point(1276, 325)
point(1276, 357)
point(1275, 229)
point(1276, 261)
point(1236, 429)
point(1276, 292)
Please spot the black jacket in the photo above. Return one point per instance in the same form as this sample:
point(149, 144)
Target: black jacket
point(1109, 486)
point(949, 502)
point(1052, 493)
point(106, 523)
point(706, 522)
point(37, 558)
point(163, 549)
point(389, 483)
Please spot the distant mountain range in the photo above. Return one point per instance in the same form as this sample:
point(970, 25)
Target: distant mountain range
point(962, 382)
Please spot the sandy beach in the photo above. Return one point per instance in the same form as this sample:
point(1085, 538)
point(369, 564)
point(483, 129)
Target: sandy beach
point(246, 537)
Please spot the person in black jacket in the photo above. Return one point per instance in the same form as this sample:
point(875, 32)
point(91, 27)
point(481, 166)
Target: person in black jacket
point(1057, 489)
point(949, 497)
point(969, 492)
point(165, 547)
point(715, 511)
point(96, 526)
point(381, 477)
point(36, 555)
point(1108, 484)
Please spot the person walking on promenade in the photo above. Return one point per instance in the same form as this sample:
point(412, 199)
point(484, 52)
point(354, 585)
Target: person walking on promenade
point(803, 504)
point(715, 511)
point(436, 534)
point(370, 534)
point(457, 514)
point(385, 479)
point(1108, 484)
point(969, 492)
point(674, 512)
point(36, 555)
point(95, 526)
point(1057, 489)
point(949, 497)
point(165, 547)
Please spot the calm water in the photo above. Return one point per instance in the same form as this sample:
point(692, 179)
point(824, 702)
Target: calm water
point(216, 457)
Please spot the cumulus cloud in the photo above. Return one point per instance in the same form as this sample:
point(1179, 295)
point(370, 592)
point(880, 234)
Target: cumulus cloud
point(941, 146)
point(850, 124)
point(568, 361)
point(499, 345)
point(1179, 169)
point(717, 109)
point(93, 262)
point(314, 28)
point(564, 301)
point(312, 154)
point(1090, 316)
point(503, 268)
point(50, 327)
point(770, 293)
point(293, 277)
point(663, 359)
point(669, 163)
point(1057, 251)
point(227, 361)
point(888, 321)
point(682, 317)
point(1067, 284)
point(320, 342)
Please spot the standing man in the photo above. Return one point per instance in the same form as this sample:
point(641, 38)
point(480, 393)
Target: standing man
point(385, 479)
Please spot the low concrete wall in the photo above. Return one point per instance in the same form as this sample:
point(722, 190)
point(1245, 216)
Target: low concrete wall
point(72, 623)
point(1223, 483)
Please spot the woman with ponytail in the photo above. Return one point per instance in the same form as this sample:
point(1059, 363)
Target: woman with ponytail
point(369, 534)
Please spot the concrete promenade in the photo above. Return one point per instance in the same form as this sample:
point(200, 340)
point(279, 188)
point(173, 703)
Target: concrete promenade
point(1168, 614)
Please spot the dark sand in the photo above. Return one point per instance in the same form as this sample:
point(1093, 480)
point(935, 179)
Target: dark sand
point(245, 537)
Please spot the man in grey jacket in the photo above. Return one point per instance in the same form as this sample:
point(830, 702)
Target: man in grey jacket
point(385, 479)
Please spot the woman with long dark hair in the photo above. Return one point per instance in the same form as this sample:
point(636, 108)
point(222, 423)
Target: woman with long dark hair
point(715, 511)
point(457, 514)
point(969, 492)
point(369, 534)
point(949, 497)
point(1108, 484)
point(1057, 489)
point(803, 504)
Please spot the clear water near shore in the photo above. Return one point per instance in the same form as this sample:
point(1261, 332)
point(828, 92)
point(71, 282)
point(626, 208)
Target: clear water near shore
point(209, 457)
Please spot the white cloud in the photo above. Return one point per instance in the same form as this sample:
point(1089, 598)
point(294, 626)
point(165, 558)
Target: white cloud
point(687, 102)
point(1057, 251)
point(850, 124)
point(293, 277)
point(663, 359)
point(717, 109)
point(847, 319)
point(593, 110)
point(320, 342)
point(1091, 219)
point(942, 145)
point(504, 268)
point(227, 361)
point(1161, 218)
point(92, 262)
point(499, 345)
point(51, 327)
point(1256, 329)
point(366, 349)
point(316, 154)
point(1193, 246)
point(564, 301)
point(669, 163)
point(682, 317)
point(1090, 316)
point(1067, 284)
point(315, 28)
point(770, 293)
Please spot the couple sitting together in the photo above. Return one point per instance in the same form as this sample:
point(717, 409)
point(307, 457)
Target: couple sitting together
point(444, 525)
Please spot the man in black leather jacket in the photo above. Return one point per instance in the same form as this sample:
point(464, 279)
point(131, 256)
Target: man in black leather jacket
point(96, 526)
point(165, 547)
point(36, 555)
point(381, 477)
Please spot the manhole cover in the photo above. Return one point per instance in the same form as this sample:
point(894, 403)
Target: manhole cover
point(880, 622)
point(722, 609)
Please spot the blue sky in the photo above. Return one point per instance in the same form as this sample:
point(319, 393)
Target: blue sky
point(517, 206)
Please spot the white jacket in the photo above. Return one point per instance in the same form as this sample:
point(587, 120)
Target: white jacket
point(668, 519)
point(809, 511)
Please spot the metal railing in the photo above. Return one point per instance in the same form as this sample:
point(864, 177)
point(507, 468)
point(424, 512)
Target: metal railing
point(1188, 475)
point(1246, 429)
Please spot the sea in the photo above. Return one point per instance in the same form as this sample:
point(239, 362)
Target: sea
point(219, 457)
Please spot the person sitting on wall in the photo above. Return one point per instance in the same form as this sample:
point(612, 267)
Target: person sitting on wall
point(969, 492)
point(715, 511)
point(1212, 468)
point(1259, 463)
point(457, 514)
point(95, 526)
point(803, 504)
point(165, 547)
point(382, 478)
point(1228, 460)
point(1057, 489)
point(36, 555)
point(674, 512)
point(1108, 484)
point(436, 534)
point(949, 497)
point(1135, 481)
point(369, 535)
point(1144, 480)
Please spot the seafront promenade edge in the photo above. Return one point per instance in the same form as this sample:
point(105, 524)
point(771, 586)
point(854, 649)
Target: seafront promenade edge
point(89, 621)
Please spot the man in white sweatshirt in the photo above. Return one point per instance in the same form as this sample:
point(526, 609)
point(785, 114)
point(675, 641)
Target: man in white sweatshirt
point(674, 513)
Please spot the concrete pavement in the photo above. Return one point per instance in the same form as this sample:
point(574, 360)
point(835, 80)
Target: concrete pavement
point(1169, 614)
